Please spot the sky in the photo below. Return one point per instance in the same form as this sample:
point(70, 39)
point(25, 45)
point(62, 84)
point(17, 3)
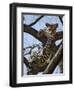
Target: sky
point(29, 40)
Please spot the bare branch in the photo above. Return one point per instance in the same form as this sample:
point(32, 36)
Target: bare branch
point(27, 47)
point(54, 61)
point(31, 48)
point(26, 62)
point(34, 32)
point(60, 17)
point(29, 52)
point(36, 21)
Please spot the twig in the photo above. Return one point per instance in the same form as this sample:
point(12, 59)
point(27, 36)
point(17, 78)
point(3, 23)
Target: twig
point(31, 48)
point(36, 20)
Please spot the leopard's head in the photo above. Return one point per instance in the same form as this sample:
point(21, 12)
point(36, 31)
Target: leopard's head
point(51, 27)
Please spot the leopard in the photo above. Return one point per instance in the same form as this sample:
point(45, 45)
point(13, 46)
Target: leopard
point(39, 63)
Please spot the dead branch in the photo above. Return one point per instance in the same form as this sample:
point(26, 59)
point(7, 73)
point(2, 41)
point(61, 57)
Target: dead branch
point(36, 20)
point(54, 61)
point(61, 65)
point(28, 52)
point(31, 48)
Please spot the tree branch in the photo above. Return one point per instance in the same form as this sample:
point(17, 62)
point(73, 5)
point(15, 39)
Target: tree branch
point(61, 65)
point(60, 17)
point(33, 32)
point(36, 21)
point(26, 62)
point(32, 46)
point(54, 61)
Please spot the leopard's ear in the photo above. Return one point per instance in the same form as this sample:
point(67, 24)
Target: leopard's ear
point(47, 24)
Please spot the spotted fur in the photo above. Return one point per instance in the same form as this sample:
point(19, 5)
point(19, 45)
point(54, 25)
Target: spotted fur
point(39, 63)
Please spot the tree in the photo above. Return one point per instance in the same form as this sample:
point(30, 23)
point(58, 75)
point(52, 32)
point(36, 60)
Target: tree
point(57, 58)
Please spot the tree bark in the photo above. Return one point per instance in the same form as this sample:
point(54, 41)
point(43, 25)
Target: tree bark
point(54, 61)
point(33, 32)
point(60, 17)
